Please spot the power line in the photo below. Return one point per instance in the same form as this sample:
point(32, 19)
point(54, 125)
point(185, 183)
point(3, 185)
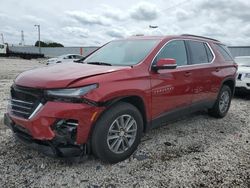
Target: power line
point(171, 7)
point(180, 3)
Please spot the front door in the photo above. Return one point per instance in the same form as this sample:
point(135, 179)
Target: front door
point(172, 88)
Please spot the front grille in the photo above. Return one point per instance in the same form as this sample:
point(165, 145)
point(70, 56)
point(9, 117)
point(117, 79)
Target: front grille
point(24, 101)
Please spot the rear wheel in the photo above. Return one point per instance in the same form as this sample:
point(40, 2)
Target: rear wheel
point(222, 104)
point(117, 133)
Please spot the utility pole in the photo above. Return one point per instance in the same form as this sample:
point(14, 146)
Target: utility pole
point(39, 42)
point(22, 39)
point(2, 38)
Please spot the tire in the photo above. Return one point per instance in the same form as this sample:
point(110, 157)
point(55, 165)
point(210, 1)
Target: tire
point(218, 111)
point(109, 132)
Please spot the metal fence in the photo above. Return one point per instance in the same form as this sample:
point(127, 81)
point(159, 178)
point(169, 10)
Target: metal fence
point(53, 52)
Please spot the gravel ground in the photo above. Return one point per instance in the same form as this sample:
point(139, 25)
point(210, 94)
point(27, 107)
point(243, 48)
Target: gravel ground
point(197, 151)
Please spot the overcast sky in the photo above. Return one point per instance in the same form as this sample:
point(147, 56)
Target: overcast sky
point(94, 22)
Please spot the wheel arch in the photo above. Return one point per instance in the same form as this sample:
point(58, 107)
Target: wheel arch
point(136, 101)
point(230, 82)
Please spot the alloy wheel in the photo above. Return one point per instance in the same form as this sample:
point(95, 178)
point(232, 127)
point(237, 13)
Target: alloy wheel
point(224, 101)
point(122, 134)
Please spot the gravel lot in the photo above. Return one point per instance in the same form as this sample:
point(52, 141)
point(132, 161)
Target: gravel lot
point(197, 151)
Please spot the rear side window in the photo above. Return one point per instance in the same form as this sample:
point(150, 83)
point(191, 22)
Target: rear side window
point(199, 52)
point(174, 50)
point(224, 51)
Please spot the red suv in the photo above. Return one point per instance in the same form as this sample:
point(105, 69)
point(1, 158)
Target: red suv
point(126, 87)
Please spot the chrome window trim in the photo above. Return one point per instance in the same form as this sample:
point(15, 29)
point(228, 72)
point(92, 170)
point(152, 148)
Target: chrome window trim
point(186, 52)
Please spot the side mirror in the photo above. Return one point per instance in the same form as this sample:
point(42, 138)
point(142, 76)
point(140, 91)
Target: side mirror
point(166, 63)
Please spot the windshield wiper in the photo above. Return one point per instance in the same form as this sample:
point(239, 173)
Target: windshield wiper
point(99, 63)
point(80, 60)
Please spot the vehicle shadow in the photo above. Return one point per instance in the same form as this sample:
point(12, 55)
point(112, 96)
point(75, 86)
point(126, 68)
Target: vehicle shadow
point(242, 95)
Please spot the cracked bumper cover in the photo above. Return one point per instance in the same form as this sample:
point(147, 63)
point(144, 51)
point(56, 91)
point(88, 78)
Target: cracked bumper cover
point(50, 148)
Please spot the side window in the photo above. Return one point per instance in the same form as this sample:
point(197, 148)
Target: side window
point(224, 52)
point(1, 46)
point(175, 50)
point(198, 52)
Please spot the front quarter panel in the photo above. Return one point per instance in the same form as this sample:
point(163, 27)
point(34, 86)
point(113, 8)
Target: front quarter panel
point(120, 84)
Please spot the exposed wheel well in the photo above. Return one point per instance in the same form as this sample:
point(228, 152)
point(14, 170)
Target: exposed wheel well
point(231, 84)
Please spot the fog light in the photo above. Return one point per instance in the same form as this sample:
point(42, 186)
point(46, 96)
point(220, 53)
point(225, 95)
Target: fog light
point(66, 130)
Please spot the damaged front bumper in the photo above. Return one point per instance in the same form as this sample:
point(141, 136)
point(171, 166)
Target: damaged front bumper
point(57, 147)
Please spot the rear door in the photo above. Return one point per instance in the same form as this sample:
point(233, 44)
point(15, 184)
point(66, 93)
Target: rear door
point(171, 89)
point(204, 72)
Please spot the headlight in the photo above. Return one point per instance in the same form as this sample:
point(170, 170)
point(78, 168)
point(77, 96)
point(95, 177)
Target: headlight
point(70, 93)
point(247, 75)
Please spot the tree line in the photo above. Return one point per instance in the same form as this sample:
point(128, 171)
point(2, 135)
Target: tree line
point(48, 44)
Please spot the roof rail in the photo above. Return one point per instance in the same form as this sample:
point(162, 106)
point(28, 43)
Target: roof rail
point(189, 35)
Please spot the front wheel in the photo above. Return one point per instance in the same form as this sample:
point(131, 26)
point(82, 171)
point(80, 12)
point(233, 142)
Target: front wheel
point(222, 103)
point(117, 133)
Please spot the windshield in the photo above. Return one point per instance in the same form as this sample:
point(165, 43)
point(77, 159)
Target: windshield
point(123, 52)
point(243, 61)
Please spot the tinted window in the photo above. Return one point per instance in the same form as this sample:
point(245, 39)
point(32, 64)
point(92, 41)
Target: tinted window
point(224, 52)
point(78, 57)
point(175, 50)
point(209, 53)
point(198, 52)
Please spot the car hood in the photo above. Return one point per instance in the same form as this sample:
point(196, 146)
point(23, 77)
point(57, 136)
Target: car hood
point(61, 75)
point(244, 69)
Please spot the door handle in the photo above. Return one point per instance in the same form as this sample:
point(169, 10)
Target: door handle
point(217, 69)
point(187, 74)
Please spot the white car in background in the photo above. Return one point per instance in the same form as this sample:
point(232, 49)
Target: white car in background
point(68, 58)
point(243, 74)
